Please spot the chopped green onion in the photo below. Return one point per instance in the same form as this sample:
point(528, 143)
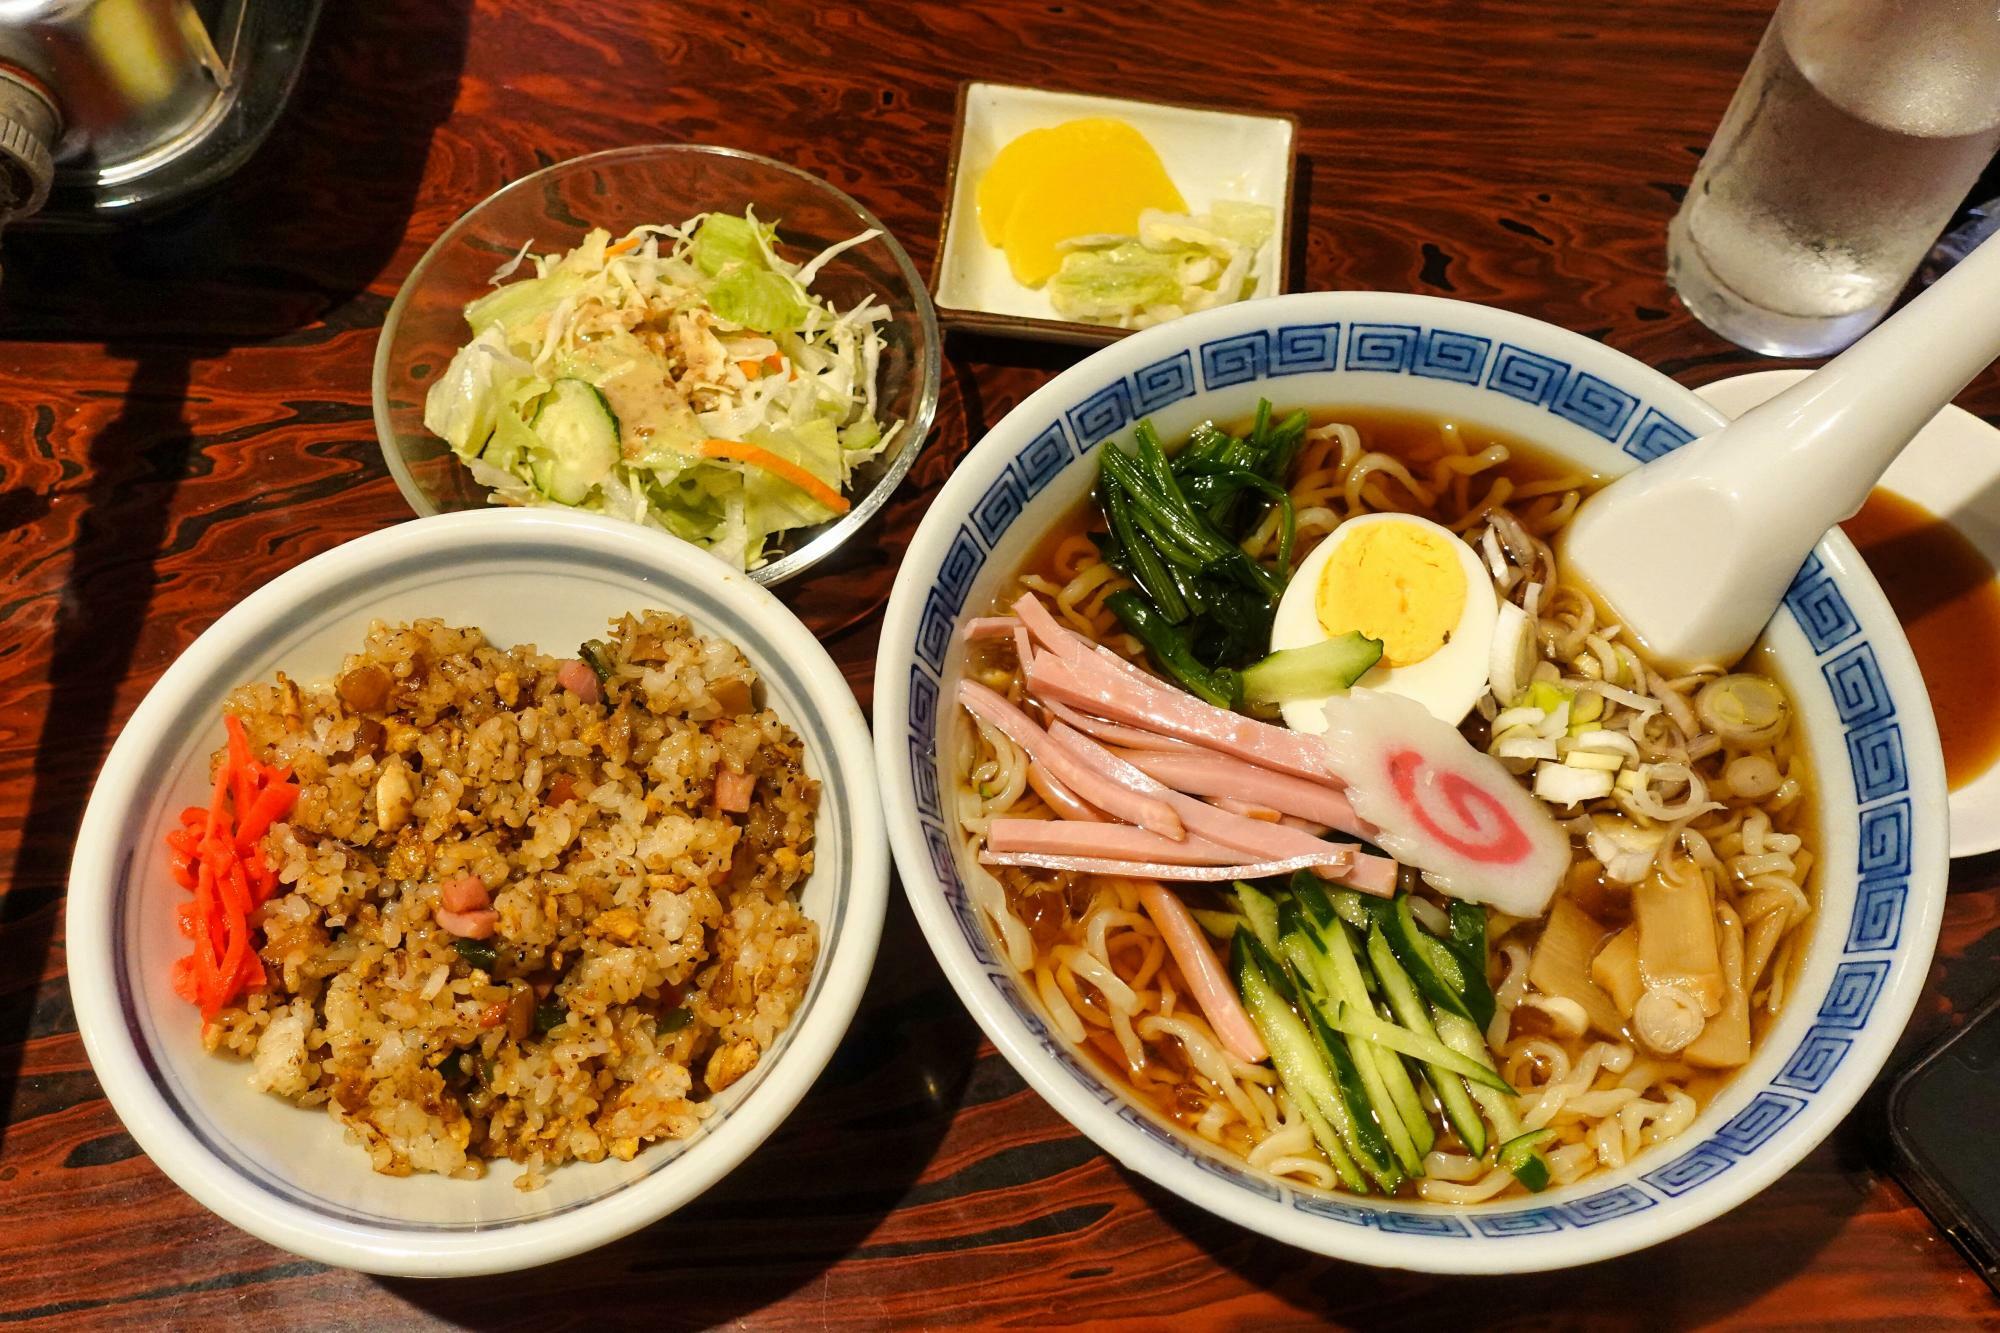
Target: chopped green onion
point(477, 952)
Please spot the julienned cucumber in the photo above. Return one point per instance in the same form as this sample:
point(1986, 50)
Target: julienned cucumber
point(1522, 1155)
point(1293, 1052)
point(1342, 1014)
point(1260, 912)
point(1329, 972)
point(1528, 1164)
point(1444, 977)
point(1356, 1021)
point(1315, 975)
point(1332, 1083)
point(578, 442)
point(1453, 1096)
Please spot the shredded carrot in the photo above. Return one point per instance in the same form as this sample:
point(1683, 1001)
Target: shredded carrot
point(752, 370)
point(774, 363)
point(215, 854)
point(630, 243)
point(782, 468)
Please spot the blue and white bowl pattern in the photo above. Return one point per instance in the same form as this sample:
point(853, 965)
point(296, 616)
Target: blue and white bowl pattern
point(1612, 408)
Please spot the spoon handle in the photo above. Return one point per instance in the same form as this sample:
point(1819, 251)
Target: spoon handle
point(1694, 551)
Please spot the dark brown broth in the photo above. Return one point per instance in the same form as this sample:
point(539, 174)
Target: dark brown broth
point(1417, 440)
point(1943, 590)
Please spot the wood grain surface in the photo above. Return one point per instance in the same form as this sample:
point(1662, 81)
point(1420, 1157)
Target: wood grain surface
point(184, 413)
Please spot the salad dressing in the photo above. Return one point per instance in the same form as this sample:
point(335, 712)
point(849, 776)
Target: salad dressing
point(684, 377)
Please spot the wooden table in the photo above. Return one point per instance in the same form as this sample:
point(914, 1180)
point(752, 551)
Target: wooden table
point(185, 413)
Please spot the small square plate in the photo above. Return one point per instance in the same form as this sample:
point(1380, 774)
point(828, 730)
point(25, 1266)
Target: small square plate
point(1211, 154)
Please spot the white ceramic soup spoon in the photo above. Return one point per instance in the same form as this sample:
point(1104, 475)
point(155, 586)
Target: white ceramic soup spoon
point(1693, 552)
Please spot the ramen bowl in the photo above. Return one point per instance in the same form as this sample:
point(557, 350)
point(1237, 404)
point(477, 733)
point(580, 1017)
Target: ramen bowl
point(290, 1175)
point(1860, 705)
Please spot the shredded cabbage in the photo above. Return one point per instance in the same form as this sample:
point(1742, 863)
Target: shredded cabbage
point(691, 333)
point(1176, 264)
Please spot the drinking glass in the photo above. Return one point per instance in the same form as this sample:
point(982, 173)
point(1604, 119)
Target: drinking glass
point(1858, 128)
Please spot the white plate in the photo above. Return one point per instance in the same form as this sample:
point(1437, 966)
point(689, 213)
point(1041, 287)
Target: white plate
point(1211, 155)
point(1952, 469)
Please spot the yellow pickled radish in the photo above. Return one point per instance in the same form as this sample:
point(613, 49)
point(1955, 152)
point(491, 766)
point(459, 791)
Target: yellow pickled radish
point(1080, 178)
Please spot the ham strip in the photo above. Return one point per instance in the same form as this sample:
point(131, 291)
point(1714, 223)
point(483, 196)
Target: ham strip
point(1113, 733)
point(989, 627)
point(1273, 792)
point(1203, 973)
point(1070, 837)
point(1211, 774)
point(1172, 714)
point(1087, 684)
point(1052, 633)
point(1336, 861)
point(1263, 814)
point(1061, 799)
point(1372, 874)
point(1097, 865)
point(1126, 802)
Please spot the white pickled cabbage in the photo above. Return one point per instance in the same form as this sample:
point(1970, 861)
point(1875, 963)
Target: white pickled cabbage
point(1176, 264)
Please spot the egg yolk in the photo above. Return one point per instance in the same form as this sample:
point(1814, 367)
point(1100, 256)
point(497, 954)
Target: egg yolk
point(1081, 178)
point(1396, 582)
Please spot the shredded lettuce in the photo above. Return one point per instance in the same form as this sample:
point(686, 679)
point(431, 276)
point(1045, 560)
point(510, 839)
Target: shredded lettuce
point(723, 240)
point(690, 333)
point(757, 299)
point(1176, 264)
point(772, 505)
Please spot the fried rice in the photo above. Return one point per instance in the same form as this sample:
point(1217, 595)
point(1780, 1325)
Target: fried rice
point(646, 949)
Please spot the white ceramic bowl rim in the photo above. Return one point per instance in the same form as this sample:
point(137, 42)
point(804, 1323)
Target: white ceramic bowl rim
point(1843, 649)
point(929, 369)
point(119, 1032)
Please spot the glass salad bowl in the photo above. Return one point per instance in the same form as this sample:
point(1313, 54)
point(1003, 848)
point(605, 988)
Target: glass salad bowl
point(552, 211)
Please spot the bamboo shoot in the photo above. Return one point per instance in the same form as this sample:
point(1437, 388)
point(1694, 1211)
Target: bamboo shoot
point(1677, 947)
point(1616, 970)
point(1725, 1043)
point(1561, 965)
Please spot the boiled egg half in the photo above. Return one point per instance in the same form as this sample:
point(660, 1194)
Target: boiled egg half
point(1415, 585)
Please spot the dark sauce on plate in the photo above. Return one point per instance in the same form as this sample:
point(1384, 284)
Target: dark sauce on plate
point(1944, 592)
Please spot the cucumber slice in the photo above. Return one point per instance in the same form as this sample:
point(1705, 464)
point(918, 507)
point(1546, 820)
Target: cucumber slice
point(1325, 668)
point(1355, 1021)
point(578, 442)
point(1438, 971)
point(1298, 1064)
point(1329, 1074)
point(1500, 1109)
point(1408, 1007)
point(1522, 1156)
point(1326, 958)
point(1260, 911)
